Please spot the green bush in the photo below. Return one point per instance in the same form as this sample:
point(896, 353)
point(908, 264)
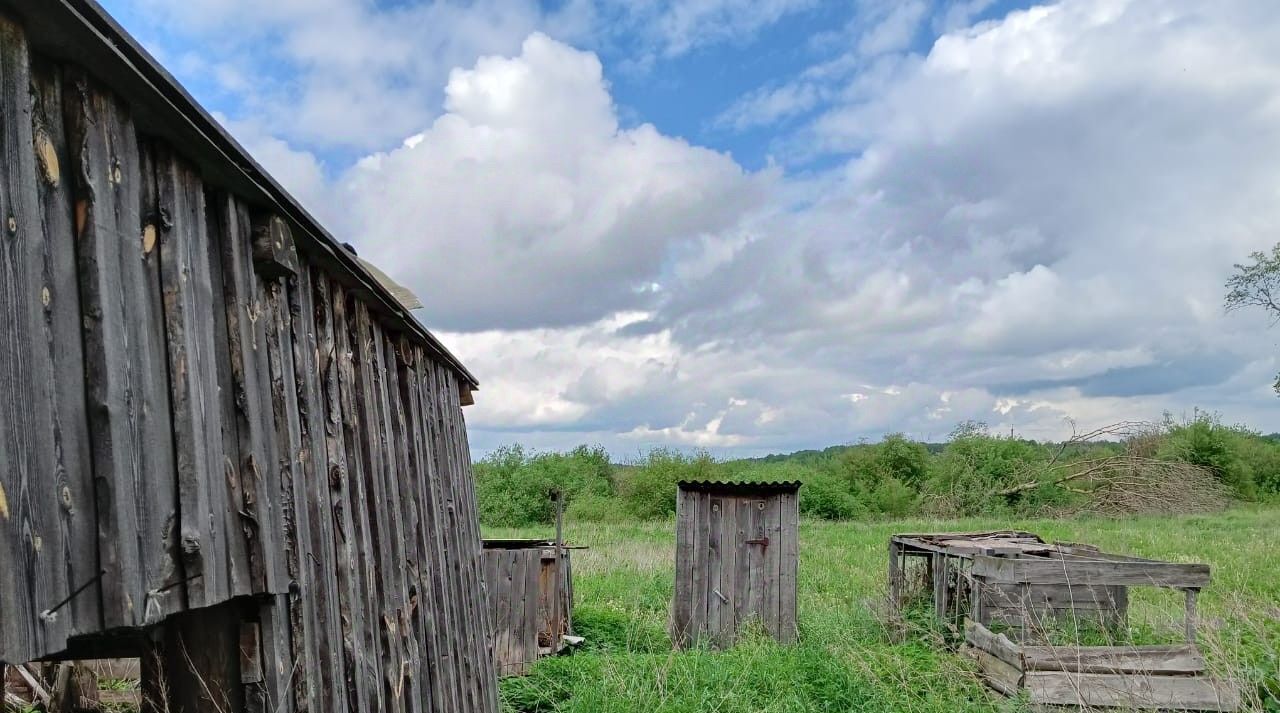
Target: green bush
point(1206, 442)
point(513, 487)
point(976, 464)
point(649, 488)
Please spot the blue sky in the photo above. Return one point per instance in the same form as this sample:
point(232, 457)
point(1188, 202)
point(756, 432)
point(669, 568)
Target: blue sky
point(762, 225)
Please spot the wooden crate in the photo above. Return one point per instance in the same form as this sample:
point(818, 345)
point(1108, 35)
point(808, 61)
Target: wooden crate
point(529, 589)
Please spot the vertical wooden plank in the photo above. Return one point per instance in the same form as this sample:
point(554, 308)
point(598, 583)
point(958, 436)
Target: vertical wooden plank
point(715, 566)
point(681, 601)
point(204, 474)
point(281, 669)
point(790, 530)
point(532, 576)
point(353, 438)
point(449, 681)
point(351, 593)
point(895, 579)
point(701, 585)
point(34, 578)
point(749, 582)
point(481, 675)
point(428, 632)
point(125, 359)
point(730, 546)
point(382, 497)
point(250, 389)
point(285, 471)
point(451, 538)
point(320, 493)
point(65, 354)
point(402, 480)
point(774, 555)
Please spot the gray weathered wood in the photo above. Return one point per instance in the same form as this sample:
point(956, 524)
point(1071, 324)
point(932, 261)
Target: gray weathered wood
point(1085, 572)
point(1176, 659)
point(274, 254)
point(1130, 691)
point(205, 475)
point(998, 673)
point(65, 354)
point(32, 538)
point(126, 366)
point(998, 645)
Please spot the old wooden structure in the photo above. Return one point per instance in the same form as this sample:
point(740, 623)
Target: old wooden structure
point(737, 550)
point(530, 591)
point(1027, 589)
point(225, 447)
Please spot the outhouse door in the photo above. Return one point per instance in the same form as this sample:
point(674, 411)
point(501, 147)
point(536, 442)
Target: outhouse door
point(743, 564)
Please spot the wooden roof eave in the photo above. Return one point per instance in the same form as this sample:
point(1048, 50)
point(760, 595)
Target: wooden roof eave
point(80, 31)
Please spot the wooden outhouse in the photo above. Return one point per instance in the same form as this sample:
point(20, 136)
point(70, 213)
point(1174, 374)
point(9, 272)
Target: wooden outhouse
point(530, 594)
point(736, 561)
point(226, 448)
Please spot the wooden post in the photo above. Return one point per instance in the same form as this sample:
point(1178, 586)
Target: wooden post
point(895, 578)
point(557, 627)
point(195, 667)
point(940, 585)
point(1192, 593)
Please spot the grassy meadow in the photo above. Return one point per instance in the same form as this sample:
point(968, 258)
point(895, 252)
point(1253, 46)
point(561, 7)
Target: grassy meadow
point(846, 659)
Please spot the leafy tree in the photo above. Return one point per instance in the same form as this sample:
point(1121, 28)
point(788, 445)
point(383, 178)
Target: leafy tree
point(1257, 284)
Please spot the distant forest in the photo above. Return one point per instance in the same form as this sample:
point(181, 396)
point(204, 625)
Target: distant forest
point(1194, 464)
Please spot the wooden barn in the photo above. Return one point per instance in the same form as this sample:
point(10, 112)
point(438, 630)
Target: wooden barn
point(736, 558)
point(225, 447)
point(530, 591)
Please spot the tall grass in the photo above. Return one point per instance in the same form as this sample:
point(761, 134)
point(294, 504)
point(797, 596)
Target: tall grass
point(847, 659)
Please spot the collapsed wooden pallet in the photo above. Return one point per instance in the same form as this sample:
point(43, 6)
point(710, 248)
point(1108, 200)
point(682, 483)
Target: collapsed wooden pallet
point(1160, 677)
point(1026, 586)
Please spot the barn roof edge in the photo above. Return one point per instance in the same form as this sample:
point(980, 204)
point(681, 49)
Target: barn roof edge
point(82, 32)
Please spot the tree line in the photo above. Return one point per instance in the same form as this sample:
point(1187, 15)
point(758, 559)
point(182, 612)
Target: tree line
point(1171, 465)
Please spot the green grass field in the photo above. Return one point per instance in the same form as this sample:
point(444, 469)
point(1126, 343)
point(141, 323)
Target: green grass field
point(846, 660)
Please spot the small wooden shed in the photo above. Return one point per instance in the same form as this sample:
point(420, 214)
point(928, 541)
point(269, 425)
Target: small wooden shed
point(530, 597)
point(736, 561)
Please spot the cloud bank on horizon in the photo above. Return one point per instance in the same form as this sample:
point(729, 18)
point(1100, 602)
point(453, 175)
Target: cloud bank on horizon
point(762, 226)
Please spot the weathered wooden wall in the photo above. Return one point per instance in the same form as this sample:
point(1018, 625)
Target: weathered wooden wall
point(194, 412)
point(736, 561)
point(530, 601)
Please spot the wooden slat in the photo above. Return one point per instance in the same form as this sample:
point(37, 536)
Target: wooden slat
point(381, 532)
point(253, 393)
point(698, 623)
point(682, 602)
point(32, 538)
point(403, 481)
point(730, 544)
point(1055, 596)
point(351, 594)
point(716, 603)
point(285, 470)
point(65, 353)
point(131, 432)
point(450, 684)
point(429, 633)
point(998, 674)
point(1176, 659)
point(320, 558)
point(204, 473)
point(1131, 691)
point(747, 567)
point(998, 645)
point(1084, 572)
point(789, 516)
point(366, 564)
point(532, 591)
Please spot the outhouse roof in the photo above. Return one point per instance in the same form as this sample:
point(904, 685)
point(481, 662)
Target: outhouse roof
point(740, 487)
